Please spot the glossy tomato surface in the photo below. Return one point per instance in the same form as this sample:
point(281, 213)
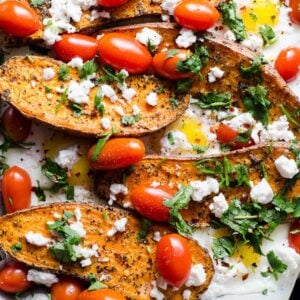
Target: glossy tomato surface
point(76, 45)
point(18, 18)
point(13, 278)
point(66, 289)
point(165, 65)
point(117, 153)
point(16, 125)
point(196, 14)
point(103, 294)
point(287, 63)
point(226, 134)
point(112, 3)
point(295, 12)
point(16, 189)
point(294, 236)
point(173, 259)
point(148, 201)
point(122, 51)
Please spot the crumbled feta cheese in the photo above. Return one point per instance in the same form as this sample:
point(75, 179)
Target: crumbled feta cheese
point(149, 35)
point(78, 92)
point(78, 228)
point(76, 62)
point(169, 6)
point(48, 73)
point(165, 18)
point(86, 254)
point(105, 123)
point(135, 110)
point(119, 110)
point(151, 99)
point(262, 192)
point(156, 236)
point(197, 276)
point(180, 144)
point(240, 120)
point(229, 35)
point(155, 184)
point(256, 130)
point(33, 83)
point(161, 283)
point(214, 74)
point(186, 294)
point(287, 168)
point(40, 277)
point(204, 188)
point(85, 262)
point(95, 14)
point(155, 292)
point(119, 226)
point(109, 92)
point(67, 158)
point(128, 93)
point(78, 214)
point(36, 239)
point(186, 38)
point(253, 42)
point(56, 215)
point(116, 189)
point(219, 205)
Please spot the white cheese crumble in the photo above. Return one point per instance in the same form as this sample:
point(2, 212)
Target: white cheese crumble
point(48, 73)
point(186, 294)
point(197, 276)
point(262, 192)
point(240, 120)
point(219, 205)
point(135, 110)
point(78, 228)
point(119, 226)
point(86, 254)
point(253, 42)
point(105, 123)
point(40, 277)
point(76, 62)
point(116, 189)
point(151, 99)
point(214, 74)
point(109, 92)
point(78, 214)
point(155, 292)
point(119, 110)
point(95, 14)
point(229, 35)
point(287, 168)
point(78, 92)
point(36, 239)
point(186, 38)
point(67, 158)
point(149, 35)
point(169, 6)
point(201, 189)
point(156, 236)
point(128, 93)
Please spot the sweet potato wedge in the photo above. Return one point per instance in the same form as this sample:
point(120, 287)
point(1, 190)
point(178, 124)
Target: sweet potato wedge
point(176, 171)
point(23, 87)
point(128, 263)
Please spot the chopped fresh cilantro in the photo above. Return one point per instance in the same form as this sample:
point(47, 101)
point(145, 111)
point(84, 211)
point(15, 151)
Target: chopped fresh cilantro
point(268, 35)
point(62, 101)
point(174, 102)
point(151, 47)
point(130, 120)
point(105, 216)
point(289, 116)
point(255, 68)
point(253, 16)
point(63, 73)
point(100, 144)
point(98, 104)
point(39, 192)
point(88, 68)
point(172, 53)
point(199, 149)
point(213, 100)
point(47, 89)
point(110, 76)
point(223, 247)
point(244, 137)
point(296, 152)
point(265, 292)
point(16, 247)
point(95, 284)
point(36, 3)
point(144, 229)
point(276, 266)
point(3, 167)
point(183, 86)
point(76, 108)
point(263, 170)
point(171, 138)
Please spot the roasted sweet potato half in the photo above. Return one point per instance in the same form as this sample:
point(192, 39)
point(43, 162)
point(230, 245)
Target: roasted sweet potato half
point(23, 87)
point(127, 262)
point(256, 162)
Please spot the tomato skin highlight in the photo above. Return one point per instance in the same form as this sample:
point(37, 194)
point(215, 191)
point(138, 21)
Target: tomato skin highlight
point(294, 13)
point(16, 125)
point(16, 189)
point(18, 18)
point(173, 259)
point(66, 289)
point(13, 278)
point(287, 63)
point(102, 294)
point(294, 239)
point(122, 51)
point(117, 153)
point(76, 45)
point(112, 3)
point(166, 66)
point(196, 14)
point(148, 201)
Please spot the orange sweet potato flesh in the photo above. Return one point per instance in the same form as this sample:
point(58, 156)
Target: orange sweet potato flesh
point(129, 264)
point(183, 171)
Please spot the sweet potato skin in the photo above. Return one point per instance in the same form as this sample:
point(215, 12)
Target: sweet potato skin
point(23, 87)
point(130, 265)
point(183, 171)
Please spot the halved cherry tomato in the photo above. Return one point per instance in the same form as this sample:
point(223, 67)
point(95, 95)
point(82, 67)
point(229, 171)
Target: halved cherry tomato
point(226, 134)
point(66, 289)
point(112, 3)
point(287, 63)
point(294, 13)
point(13, 278)
point(16, 189)
point(148, 201)
point(76, 45)
point(122, 51)
point(173, 259)
point(294, 238)
point(117, 153)
point(18, 18)
point(166, 66)
point(103, 294)
point(16, 125)
point(196, 14)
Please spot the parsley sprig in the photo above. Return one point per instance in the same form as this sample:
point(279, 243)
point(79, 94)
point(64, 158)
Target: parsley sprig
point(276, 266)
point(213, 100)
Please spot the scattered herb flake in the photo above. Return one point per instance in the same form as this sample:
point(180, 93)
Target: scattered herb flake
point(144, 229)
point(213, 100)
point(276, 266)
point(16, 247)
point(268, 35)
point(63, 73)
point(88, 68)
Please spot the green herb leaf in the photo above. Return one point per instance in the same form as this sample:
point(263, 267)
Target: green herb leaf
point(174, 102)
point(3, 167)
point(183, 85)
point(130, 120)
point(76, 108)
point(100, 144)
point(223, 247)
point(110, 76)
point(255, 68)
point(16, 247)
point(98, 104)
point(39, 192)
point(171, 138)
point(62, 100)
point(88, 68)
point(296, 152)
point(267, 34)
point(199, 149)
point(276, 266)
point(289, 116)
point(36, 3)
point(63, 73)
point(172, 53)
point(244, 137)
point(144, 230)
point(151, 47)
point(213, 100)
point(95, 284)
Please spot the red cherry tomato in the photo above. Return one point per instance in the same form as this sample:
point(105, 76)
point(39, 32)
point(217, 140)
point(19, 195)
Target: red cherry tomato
point(196, 14)
point(294, 238)
point(112, 3)
point(76, 45)
point(294, 13)
point(66, 289)
point(122, 51)
point(103, 294)
point(16, 189)
point(148, 201)
point(287, 63)
point(173, 259)
point(18, 18)
point(166, 66)
point(16, 125)
point(117, 153)
point(226, 134)
point(13, 278)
